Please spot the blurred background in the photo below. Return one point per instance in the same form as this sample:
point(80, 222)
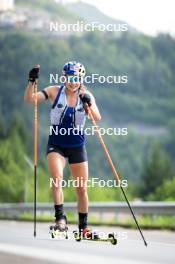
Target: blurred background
point(145, 105)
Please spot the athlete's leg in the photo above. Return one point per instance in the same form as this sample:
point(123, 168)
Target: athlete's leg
point(56, 164)
point(79, 171)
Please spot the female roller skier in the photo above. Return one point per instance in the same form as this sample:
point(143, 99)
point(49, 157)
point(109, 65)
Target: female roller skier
point(67, 111)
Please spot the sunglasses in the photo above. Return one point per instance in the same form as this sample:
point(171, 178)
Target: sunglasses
point(73, 79)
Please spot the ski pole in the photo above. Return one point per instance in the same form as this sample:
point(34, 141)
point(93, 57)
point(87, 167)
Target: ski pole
point(114, 170)
point(35, 150)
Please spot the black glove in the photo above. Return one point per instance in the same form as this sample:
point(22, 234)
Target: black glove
point(86, 99)
point(34, 73)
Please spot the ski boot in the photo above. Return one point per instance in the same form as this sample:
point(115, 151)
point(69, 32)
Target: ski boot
point(60, 229)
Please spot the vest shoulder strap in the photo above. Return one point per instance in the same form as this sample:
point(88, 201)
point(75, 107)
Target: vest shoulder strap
point(57, 97)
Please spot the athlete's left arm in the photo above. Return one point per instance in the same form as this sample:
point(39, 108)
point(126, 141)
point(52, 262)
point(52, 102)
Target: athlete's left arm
point(94, 108)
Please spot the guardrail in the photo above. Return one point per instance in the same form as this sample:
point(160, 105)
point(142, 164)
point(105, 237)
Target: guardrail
point(140, 208)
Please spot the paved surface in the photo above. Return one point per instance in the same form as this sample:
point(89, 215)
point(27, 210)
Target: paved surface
point(18, 246)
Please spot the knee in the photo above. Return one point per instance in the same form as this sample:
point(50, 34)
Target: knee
point(56, 182)
point(81, 191)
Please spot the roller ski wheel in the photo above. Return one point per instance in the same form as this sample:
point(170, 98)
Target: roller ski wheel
point(112, 239)
point(77, 236)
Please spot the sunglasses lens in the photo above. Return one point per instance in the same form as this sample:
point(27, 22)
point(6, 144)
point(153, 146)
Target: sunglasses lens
point(73, 79)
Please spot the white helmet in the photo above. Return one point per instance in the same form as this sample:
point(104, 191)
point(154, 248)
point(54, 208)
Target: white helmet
point(74, 68)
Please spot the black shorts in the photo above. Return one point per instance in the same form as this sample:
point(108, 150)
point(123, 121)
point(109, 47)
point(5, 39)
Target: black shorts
point(74, 155)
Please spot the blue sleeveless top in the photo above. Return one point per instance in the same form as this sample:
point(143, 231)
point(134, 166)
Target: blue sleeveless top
point(66, 121)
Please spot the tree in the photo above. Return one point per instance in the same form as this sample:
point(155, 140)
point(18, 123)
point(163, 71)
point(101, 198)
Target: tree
point(156, 169)
point(164, 192)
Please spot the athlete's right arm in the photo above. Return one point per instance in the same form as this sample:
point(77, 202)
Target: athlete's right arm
point(29, 94)
point(47, 93)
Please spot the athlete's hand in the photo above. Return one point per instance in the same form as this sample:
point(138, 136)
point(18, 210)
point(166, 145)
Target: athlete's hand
point(86, 99)
point(34, 73)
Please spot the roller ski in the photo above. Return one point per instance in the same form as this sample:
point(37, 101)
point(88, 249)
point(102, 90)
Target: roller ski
point(87, 234)
point(59, 230)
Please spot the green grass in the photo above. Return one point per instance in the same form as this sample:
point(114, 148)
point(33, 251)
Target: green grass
point(145, 222)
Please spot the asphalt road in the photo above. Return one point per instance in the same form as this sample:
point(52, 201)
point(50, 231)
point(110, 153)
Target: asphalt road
point(18, 246)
